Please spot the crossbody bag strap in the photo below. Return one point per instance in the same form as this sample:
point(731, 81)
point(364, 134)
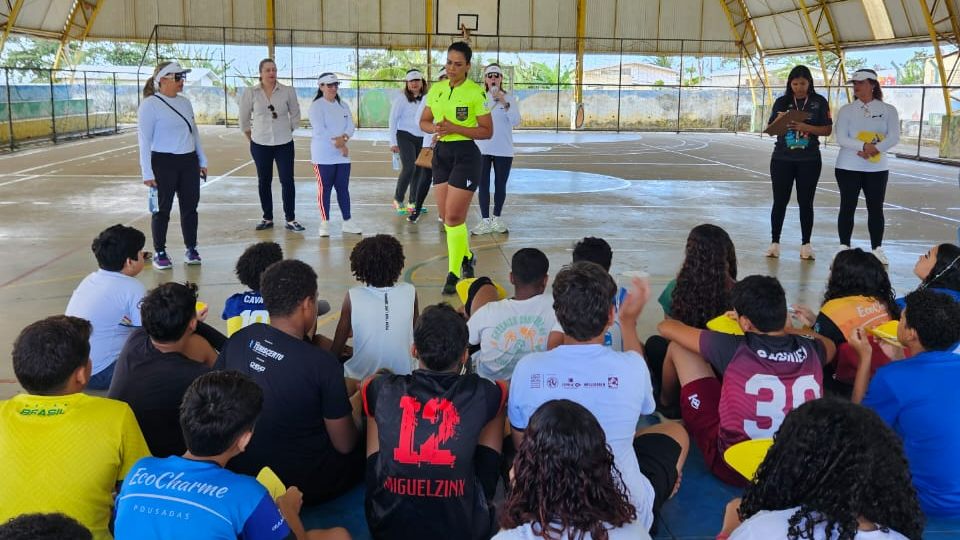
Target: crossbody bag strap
point(176, 111)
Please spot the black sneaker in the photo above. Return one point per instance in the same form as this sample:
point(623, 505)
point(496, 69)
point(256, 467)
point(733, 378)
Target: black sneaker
point(294, 226)
point(264, 225)
point(413, 216)
point(468, 265)
point(450, 287)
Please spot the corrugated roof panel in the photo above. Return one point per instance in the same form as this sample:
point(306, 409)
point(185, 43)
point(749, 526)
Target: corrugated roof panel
point(515, 18)
point(601, 18)
point(856, 27)
point(680, 19)
point(638, 20)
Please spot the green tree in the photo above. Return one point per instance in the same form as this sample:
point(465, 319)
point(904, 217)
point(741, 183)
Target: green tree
point(541, 75)
point(660, 60)
point(812, 61)
point(911, 71)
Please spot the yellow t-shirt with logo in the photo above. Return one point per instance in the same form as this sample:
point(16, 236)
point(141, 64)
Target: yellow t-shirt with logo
point(460, 105)
point(66, 454)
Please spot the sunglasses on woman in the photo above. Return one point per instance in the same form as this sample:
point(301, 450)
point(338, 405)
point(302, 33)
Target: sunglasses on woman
point(493, 75)
point(177, 77)
point(333, 85)
point(273, 111)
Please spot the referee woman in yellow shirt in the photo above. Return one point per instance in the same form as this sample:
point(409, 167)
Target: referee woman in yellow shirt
point(457, 114)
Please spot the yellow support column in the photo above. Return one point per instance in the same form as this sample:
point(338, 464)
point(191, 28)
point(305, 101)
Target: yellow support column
point(428, 30)
point(11, 19)
point(742, 27)
point(935, 41)
point(839, 78)
point(576, 112)
point(271, 29)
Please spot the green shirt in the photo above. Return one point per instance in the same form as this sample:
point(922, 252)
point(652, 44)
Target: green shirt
point(460, 105)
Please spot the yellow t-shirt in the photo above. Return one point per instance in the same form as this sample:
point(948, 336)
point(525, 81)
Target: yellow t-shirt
point(66, 454)
point(460, 105)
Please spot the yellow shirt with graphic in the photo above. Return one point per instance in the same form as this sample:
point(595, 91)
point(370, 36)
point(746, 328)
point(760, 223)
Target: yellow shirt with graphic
point(66, 454)
point(459, 104)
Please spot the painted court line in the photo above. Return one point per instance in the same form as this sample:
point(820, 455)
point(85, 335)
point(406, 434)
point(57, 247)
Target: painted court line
point(41, 266)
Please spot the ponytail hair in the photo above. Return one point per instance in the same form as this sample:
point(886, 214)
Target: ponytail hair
point(151, 86)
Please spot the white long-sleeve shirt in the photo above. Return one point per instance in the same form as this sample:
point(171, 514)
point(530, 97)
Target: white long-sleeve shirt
point(257, 118)
point(873, 117)
point(328, 119)
point(159, 129)
point(405, 116)
point(504, 120)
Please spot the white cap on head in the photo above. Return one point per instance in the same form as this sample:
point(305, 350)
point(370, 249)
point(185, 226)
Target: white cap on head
point(492, 69)
point(862, 75)
point(442, 73)
point(414, 75)
point(170, 69)
point(327, 78)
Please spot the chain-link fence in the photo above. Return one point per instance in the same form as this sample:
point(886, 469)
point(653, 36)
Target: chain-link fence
point(700, 86)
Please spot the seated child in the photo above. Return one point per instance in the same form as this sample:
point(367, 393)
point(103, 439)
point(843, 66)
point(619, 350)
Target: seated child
point(156, 365)
point(63, 451)
point(307, 433)
point(562, 481)
point(509, 329)
point(916, 396)
point(834, 471)
point(44, 527)
point(379, 314)
point(110, 298)
point(614, 386)
point(766, 372)
point(858, 294)
point(598, 251)
point(195, 496)
point(246, 308)
point(433, 440)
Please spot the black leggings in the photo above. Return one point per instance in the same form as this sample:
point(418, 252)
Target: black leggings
point(874, 186)
point(501, 171)
point(409, 146)
point(783, 173)
point(176, 174)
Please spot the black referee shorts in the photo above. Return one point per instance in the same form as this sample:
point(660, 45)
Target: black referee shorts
point(457, 164)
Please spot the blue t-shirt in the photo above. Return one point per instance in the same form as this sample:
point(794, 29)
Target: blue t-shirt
point(918, 398)
point(951, 293)
point(176, 497)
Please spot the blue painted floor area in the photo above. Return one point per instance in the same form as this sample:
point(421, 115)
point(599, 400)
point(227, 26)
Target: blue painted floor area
point(694, 513)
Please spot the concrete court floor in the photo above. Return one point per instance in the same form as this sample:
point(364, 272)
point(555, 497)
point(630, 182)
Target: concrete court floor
point(54, 200)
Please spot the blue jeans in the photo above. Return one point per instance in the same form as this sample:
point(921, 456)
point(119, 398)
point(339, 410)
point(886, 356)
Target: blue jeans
point(102, 380)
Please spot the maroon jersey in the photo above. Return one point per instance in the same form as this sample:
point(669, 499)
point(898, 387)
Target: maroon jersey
point(422, 482)
point(764, 377)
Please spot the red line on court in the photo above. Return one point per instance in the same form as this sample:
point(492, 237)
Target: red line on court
point(40, 267)
point(8, 381)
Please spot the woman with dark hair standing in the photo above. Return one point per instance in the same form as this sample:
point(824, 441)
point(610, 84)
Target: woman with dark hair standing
point(406, 138)
point(457, 112)
point(171, 158)
point(866, 129)
point(332, 126)
point(565, 484)
point(835, 471)
point(269, 113)
point(796, 157)
point(497, 151)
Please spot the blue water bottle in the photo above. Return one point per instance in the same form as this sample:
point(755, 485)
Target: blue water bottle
point(152, 202)
point(396, 161)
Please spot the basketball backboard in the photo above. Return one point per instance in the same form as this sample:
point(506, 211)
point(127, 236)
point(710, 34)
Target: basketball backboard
point(476, 16)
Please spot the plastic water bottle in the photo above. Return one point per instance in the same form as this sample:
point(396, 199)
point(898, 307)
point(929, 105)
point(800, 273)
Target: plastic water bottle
point(396, 161)
point(152, 201)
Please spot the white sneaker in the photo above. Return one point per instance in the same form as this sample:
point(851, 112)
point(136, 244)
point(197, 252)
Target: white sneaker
point(844, 247)
point(806, 252)
point(351, 227)
point(881, 256)
point(324, 228)
point(773, 251)
point(497, 225)
point(484, 227)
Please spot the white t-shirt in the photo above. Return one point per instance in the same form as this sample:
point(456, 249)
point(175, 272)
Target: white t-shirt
point(614, 386)
point(773, 525)
point(507, 331)
point(382, 324)
point(860, 119)
point(613, 336)
point(504, 120)
point(630, 531)
point(111, 302)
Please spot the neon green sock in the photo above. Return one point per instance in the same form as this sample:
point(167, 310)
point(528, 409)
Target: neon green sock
point(457, 246)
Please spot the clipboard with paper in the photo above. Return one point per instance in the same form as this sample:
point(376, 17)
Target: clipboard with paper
point(779, 126)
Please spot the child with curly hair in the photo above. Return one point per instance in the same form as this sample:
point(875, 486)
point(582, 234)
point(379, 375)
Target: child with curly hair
point(835, 471)
point(380, 314)
point(246, 308)
point(565, 482)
